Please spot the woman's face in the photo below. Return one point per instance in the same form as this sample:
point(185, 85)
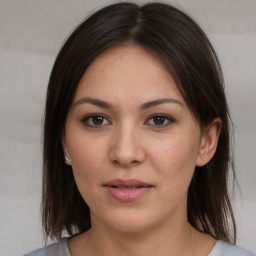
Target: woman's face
point(132, 141)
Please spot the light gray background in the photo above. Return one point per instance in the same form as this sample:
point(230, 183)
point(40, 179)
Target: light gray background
point(31, 32)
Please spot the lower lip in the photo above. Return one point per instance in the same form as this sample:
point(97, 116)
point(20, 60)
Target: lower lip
point(127, 195)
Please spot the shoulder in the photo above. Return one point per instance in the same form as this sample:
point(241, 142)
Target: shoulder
point(56, 249)
point(224, 249)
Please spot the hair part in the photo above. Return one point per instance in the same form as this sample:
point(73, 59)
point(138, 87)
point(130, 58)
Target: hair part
point(187, 54)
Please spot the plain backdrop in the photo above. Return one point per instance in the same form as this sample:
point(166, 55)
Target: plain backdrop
point(31, 33)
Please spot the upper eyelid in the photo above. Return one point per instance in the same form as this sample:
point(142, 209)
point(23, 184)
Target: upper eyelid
point(161, 115)
point(95, 114)
point(169, 118)
point(86, 117)
point(148, 118)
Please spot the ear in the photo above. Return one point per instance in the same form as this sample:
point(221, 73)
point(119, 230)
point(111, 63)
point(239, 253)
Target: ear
point(65, 151)
point(209, 142)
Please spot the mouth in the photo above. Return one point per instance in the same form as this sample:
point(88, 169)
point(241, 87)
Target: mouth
point(123, 188)
point(127, 190)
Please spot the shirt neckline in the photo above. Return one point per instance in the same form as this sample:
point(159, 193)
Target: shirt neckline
point(64, 243)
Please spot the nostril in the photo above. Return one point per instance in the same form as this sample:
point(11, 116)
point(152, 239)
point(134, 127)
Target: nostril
point(126, 163)
point(115, 162)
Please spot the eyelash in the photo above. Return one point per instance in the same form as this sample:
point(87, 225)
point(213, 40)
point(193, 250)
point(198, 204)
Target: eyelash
point(168, 120)
point(87, 120)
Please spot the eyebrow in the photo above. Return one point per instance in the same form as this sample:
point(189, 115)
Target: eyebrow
point(97, 102)
point(104, 104)
point(157, 102)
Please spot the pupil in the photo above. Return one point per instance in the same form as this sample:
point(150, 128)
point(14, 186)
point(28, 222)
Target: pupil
point(97, 120)
point(159, 120)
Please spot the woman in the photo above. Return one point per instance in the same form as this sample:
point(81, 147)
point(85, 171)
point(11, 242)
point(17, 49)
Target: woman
point(137, 139)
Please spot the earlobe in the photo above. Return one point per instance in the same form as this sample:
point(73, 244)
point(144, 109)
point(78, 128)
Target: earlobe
point(66, 153)
point(67, 159)
point(209, 142)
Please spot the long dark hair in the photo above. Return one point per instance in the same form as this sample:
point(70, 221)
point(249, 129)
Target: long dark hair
point(184, 49)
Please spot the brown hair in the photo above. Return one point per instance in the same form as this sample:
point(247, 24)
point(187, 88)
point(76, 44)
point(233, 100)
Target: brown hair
point(184, 49)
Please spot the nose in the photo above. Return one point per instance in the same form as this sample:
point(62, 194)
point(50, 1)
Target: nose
point(127, 149)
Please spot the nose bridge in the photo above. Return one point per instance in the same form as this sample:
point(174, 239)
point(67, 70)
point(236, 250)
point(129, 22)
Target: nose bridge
point(126, 146)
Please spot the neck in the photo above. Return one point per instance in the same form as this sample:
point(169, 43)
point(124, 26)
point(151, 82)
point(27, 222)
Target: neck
point(173, 240)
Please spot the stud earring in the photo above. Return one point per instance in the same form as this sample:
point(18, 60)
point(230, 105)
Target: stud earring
point(67, 159)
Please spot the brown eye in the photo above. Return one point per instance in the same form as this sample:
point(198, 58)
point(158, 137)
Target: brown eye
point(95, 121)
point(160, 120)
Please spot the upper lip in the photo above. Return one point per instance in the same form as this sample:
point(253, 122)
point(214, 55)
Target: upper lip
point(126, 183)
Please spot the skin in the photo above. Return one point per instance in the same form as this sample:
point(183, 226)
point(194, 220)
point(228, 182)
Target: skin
point(126, 141)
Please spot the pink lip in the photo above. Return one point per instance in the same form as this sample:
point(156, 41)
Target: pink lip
point(127, 190)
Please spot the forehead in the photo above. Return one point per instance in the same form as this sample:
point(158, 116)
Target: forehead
point(127, 71)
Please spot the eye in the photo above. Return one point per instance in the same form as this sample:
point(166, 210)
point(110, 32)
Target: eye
point(95, 120)
point(160, 120)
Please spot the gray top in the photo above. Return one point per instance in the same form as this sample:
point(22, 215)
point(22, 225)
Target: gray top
point(61, 249)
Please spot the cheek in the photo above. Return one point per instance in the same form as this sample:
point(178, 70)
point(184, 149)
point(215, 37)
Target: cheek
point(175, 163)
point(87, 162)
point(87, 159)
point(176, 154)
